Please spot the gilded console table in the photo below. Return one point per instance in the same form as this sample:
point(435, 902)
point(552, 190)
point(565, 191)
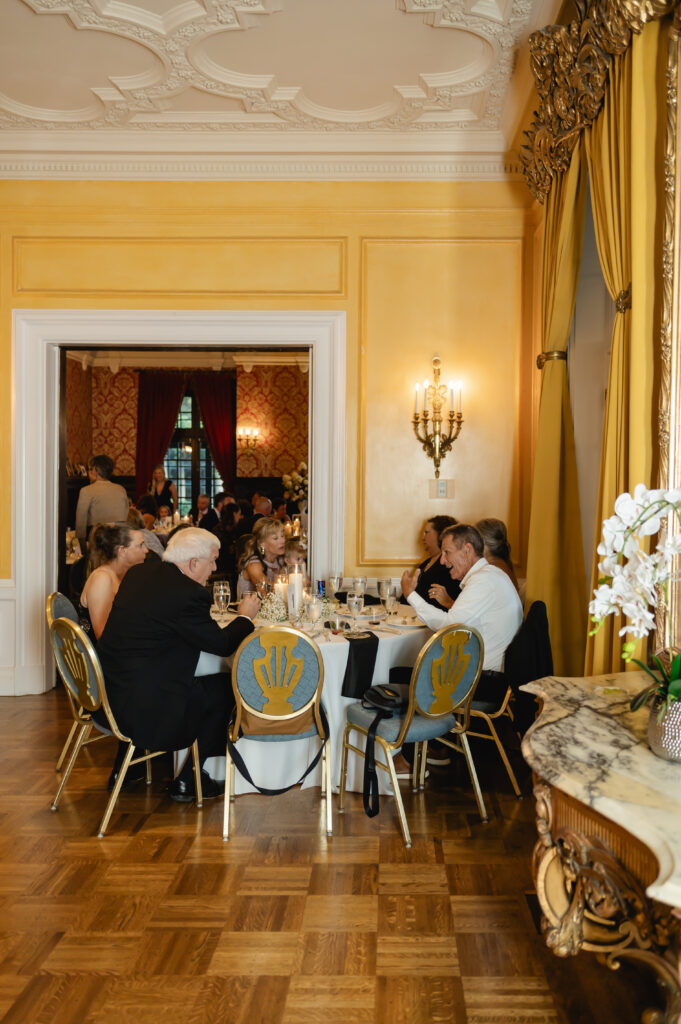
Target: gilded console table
point(607, 863)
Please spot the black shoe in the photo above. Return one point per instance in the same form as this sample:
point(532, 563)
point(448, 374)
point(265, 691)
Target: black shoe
point(184, 792)
point(135, 773)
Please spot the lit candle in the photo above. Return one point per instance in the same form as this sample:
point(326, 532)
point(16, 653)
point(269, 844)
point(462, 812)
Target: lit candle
point(280, 591)
point(459, 410)
point(255, 431)
point(425, 396)
point(451, 396)
point(240, 432)
point(295, 590)
point(416, 401)
point(248, 431)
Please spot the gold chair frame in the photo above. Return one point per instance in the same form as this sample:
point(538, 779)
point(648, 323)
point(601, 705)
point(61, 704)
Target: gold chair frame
point(493, 735)
point(76, 676)
point(312, 705)
point(79, 714)
point(389, 749)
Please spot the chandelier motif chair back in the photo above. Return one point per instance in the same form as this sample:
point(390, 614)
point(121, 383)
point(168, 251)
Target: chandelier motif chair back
point(81, 671)
point(441, 689)
point(277, 678)
point(59, 607)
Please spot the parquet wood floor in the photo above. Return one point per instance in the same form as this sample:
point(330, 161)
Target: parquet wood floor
point(162, 923)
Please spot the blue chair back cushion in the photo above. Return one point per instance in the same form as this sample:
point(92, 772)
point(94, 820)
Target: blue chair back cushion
point(62, 608)
point(447, 672)
point(277, 672)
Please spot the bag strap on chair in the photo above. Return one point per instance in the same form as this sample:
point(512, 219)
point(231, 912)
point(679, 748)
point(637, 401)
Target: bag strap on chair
point(370, 784)
point(240, 764)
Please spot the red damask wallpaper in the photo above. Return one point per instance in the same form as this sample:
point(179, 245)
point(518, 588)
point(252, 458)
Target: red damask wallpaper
point(274, 399)
point(114, 417)
point(78, 413)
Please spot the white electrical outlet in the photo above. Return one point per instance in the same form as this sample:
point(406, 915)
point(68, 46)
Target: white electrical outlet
point(442, 489)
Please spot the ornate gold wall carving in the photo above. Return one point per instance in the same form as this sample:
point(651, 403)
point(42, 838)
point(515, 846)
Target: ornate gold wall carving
point(570, 64)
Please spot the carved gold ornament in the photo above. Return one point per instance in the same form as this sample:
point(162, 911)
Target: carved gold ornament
point(77, 666)
point(570, 66)
point(590, 901)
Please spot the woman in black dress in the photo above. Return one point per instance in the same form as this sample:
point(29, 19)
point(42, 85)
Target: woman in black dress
point(435, 585)
point(162, 489)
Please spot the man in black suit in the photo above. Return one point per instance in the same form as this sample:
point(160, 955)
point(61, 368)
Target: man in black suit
point(203, 515)
point(159, 624)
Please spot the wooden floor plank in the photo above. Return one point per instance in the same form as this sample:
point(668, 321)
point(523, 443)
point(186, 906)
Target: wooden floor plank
point(162, 922)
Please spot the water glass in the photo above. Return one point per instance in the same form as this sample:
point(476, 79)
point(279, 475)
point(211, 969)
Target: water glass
point(336, 582)
point(359, 584)
point(382, 587)
point(390, 599)
point(221, 596)
point(355, 605)
point(314, 611)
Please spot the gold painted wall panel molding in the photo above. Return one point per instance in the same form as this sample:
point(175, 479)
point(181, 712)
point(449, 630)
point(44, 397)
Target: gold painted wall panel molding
point(183, 266)
point(462, 300)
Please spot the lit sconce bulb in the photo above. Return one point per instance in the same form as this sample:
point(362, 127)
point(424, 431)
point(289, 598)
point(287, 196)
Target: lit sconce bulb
point(425, 395)
point(451, 395)
point(416, 401)
point(240, 432)
point(255, 431)
point(248, 431)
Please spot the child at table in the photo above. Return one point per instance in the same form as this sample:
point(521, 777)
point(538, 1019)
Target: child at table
point(295, 554)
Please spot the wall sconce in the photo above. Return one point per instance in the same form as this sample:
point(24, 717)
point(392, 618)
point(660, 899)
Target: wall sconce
point(247, 437)
point(434, 443)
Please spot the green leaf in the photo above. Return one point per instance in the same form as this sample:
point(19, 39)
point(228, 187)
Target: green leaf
point(675, 672)
point(641, 698)
point(663, 670)
point(674, 689)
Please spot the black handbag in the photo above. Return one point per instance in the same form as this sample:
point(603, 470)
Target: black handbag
point(387, 701)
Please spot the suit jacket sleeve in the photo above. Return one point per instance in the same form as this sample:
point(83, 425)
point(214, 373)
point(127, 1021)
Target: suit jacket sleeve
point(199, 630)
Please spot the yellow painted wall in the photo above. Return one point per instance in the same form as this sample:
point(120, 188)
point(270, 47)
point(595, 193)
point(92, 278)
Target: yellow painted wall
point(419, 268)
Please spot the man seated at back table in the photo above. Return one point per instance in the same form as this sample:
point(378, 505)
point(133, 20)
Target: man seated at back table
point(488, 602)
point(158, 625)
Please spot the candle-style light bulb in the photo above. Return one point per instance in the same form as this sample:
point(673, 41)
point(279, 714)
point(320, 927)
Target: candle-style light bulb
point(255, 431)
point(248, 431)
point(416, 401)
point(451, 396)
point(425, 396)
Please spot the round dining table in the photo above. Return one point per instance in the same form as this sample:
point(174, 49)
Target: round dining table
point(275, 765)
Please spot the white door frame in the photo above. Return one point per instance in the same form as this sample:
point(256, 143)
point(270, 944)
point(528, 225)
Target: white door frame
point(37, 336)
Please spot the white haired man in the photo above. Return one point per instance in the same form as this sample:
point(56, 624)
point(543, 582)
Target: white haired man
point(158, 625)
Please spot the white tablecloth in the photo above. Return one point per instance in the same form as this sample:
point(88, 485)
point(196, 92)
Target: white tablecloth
point(275, 765)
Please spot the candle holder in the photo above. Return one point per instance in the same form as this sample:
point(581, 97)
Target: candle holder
point(247, 437)
point(428, 427)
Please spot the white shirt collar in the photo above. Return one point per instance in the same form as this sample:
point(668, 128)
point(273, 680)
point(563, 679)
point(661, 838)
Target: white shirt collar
point(476, 567)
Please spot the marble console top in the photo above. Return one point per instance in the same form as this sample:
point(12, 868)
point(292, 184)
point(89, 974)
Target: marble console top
point(588, 744)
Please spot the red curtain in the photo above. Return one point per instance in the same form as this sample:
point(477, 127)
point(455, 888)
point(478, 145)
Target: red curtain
point(216, 395)
point(160, 396)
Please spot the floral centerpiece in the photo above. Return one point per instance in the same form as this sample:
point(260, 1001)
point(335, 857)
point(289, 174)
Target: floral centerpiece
point(295, 484)
point(273, 609)
point(632, 580)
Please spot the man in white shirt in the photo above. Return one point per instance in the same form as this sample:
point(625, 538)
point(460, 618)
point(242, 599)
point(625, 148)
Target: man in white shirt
point(101, 501)
point(488, 600)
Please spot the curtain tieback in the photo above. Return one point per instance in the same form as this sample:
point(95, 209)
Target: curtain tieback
point(623, 300)
point(545, 357)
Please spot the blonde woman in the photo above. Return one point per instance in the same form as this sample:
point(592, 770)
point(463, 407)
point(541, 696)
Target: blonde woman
point(263, 556)
point(163, 490)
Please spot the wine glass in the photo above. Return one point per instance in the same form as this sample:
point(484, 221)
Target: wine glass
point(359, 584)
point(390, 599)
point(382, 587)
point(355, 605)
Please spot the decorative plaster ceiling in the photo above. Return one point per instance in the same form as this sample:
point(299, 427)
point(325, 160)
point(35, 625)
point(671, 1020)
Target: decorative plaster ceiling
point(192, 359)
point(263, 88)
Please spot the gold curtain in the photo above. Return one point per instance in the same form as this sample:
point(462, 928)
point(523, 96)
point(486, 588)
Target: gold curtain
point(623, 190)
point(555, 562)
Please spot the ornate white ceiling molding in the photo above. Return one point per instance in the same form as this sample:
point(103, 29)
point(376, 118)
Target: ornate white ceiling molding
point(177, 38)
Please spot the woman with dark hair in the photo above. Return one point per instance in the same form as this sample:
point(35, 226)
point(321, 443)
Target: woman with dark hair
point(113, 548)
point(263, 556)
point(497, 550)
point(435, 585)
point(163, 490)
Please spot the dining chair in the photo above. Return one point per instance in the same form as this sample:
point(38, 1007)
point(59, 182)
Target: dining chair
point(59, 607)
point(527, 657)
point(82, 674)
point(277, 678)
point(441, 689)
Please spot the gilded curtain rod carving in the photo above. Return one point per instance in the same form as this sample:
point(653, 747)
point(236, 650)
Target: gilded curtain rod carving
point(570, 65)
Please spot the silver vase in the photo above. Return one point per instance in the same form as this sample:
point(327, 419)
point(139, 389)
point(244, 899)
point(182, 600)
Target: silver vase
point(664, 732)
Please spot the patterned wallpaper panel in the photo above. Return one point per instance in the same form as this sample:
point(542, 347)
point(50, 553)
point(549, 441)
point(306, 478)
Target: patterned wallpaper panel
point(114, 417)
point(274, 399)
point(78, 413)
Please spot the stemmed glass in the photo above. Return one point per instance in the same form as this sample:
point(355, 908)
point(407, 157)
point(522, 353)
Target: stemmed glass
point(355, 605)
point(382, 587)
point(221, 596)
point(359, 584)
point(389, 599)
point(336, 583)
point(314, 610)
